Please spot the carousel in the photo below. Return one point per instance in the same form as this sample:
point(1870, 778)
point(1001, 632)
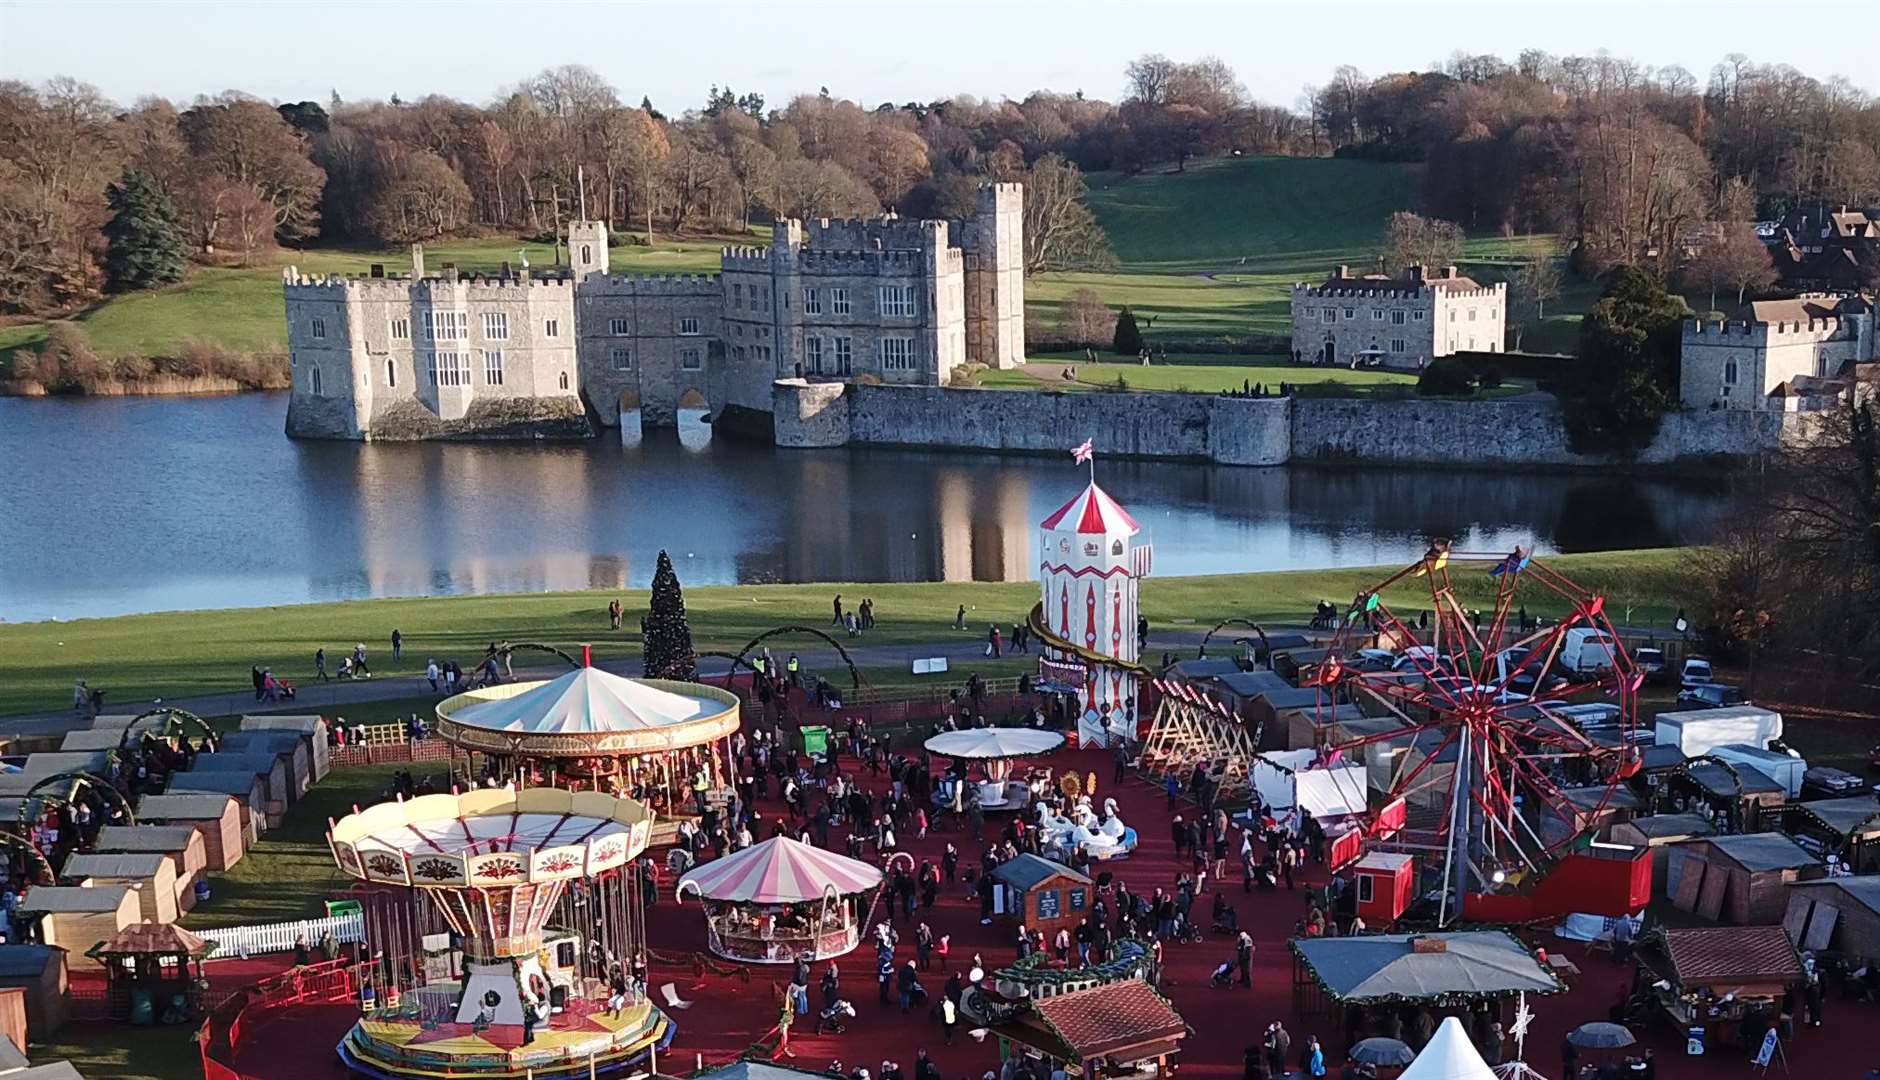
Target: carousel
point(510, 996)
point(992, 750)
point(782, 900)
point(590, 730)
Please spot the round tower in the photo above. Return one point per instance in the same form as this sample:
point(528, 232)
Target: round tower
point(1089, 570)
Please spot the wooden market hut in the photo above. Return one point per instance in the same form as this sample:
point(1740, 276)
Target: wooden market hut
point(40, 766)
point(219, 817)
point(1743, 794)
point(76, 917)
point(182, 844)
point(1848, 829)
point(151, 874)
point(1367, 983)
point(249, 790)
point(312, 731)
point(1659, 833)
point(1319, 725)
point(1740, 879)
point(39, 972)
point(286, 746)
point(147, 973)
point(264, 766)
point(89, 739)
point(1043, 895)
point(1729, 980)
point(1125, 1023)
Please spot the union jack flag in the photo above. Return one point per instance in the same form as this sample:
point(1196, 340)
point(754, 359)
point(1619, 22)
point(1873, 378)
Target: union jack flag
point(1082, 452)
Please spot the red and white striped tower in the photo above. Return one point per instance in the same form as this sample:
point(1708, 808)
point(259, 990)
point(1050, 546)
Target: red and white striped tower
point(1089, 569)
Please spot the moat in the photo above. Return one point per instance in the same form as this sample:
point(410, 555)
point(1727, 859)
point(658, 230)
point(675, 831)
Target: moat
point(119, 505)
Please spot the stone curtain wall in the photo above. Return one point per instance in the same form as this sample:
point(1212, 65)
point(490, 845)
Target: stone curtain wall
point(1236, 431)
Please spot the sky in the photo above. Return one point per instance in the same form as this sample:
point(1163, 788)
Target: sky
point(886, 50)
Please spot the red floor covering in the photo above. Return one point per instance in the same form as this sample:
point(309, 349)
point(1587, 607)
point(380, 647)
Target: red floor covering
point(728, 1015)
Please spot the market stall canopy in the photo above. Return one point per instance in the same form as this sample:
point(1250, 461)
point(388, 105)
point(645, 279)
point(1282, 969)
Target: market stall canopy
point(991, 744)
point(780, 870)
point(1459, 966)
point(1126, 1021)
point(586, 712)
point(1449, 1055)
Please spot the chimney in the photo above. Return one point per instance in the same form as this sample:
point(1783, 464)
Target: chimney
point(1343, 271)
point(450, 271)
point(417, 260)
point(1449, 272)
point(1416, 271)
point(507, 273)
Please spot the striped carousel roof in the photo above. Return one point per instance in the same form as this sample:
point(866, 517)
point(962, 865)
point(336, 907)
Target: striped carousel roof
point(1093, 511)
point(780, 870)
point(588, 711)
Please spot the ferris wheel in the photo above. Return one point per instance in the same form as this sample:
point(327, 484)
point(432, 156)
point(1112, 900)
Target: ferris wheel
point(1496, 733)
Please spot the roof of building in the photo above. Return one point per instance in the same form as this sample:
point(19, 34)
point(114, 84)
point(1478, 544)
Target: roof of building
point(1206, 667)
point(275, 742)
point(1603, 798)
point(74, 899)
point(1713, 954)
point(1660, 756)
point(117, 865)
point(1846, 815)
point(1719, 780)
point(1389, 861)
point(228, 783)
point(1109, 1018)
point(12, 1058)
point(159, 838)
point(1661, 826)
point(1093, 511)
point(1474, 963)
point(184, 806)
point(304, 724)
point(1800, 309)
point(147, 938)
point(1764, 851)
point(24, 961)
point(1028, 870)
point(258, 761)
point(1863, 889)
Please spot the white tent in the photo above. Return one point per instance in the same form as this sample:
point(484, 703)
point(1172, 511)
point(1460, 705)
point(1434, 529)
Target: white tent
point(1449, 1056)
point(587, 701)
point(992, 744)
point(1285, 780)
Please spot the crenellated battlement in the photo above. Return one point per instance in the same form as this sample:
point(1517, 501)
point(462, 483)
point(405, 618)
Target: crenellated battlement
point(1697, 329)
point(1301, 289)
point(404, 286)
point(877, 234)
point(813, 261)
point(654, 285)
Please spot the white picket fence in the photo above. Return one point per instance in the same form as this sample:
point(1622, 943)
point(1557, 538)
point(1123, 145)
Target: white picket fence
point(280, 937)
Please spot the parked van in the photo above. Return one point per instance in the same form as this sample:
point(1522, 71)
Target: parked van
point(1587, 651)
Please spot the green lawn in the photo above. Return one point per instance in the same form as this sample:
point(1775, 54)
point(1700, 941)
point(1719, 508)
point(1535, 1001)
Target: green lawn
point(176, 654)
point(1191, 372)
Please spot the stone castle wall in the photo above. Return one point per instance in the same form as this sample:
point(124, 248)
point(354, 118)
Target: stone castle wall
point(1243, 431)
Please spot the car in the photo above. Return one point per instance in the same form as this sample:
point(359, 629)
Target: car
point(1371, 660)
point(1697, 670)
point(1650, 663)
point(1418, 658)
point(1824, 782)
point(1714, 695)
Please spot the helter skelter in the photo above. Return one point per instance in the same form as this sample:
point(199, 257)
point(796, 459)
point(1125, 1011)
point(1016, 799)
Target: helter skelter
point(1497, 773)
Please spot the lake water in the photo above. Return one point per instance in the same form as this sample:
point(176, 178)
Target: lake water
point(137, 504)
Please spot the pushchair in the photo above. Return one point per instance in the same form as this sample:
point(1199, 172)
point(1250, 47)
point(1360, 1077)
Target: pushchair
point(832, 1016)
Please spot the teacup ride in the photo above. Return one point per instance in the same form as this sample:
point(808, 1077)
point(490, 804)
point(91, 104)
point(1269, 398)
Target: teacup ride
point(494, 864)
point(993, 750)
point(1098, 836)
point(781, 900)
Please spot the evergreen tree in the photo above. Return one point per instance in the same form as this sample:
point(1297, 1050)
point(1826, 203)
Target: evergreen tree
point(668, 644)
point(1128, 339)
point(1627, 374)
point(144, 243)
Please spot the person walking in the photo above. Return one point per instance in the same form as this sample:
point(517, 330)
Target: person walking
point(959, 618)
point(431, 673)
point(992, 641)
point(1243, 956)
point(949, 1019)
point(837, 602)
point(398, 645)
point(319, 664)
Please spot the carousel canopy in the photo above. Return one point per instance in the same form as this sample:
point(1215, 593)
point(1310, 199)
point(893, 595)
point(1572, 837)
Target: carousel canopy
point(780, 870)
point(588, 711)
point(1093, 511)
point(1449, 1056)
point(990, 744)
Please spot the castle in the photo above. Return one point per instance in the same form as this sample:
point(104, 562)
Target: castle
point(519, 355)
point(1794, 355)
point(1401, 322)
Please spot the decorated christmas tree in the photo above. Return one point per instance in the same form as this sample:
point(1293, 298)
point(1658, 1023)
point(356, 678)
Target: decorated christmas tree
point(668, 644)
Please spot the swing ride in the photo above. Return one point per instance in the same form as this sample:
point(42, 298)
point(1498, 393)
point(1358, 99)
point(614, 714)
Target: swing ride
point(494, 868)
point(1480, 740)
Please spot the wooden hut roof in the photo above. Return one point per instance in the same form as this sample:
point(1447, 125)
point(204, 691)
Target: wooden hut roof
point(146, 939)
point(1110, 1018)
point(185, 805)
point(114, 865)
point(1711, 954)
point(74, 899)
point(159, 838)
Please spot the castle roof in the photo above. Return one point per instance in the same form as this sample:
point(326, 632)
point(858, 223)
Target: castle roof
point(1800, 309)
point(1093, 511)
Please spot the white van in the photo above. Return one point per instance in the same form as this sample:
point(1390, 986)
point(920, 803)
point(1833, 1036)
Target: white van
point(1587, 651)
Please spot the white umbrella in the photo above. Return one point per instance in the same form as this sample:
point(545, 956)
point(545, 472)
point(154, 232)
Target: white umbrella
point(994, 746)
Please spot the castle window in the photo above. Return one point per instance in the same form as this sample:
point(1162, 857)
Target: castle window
point(1330, 315)
point(493, 367)
point(1116, 547)
point(766, 300)
point(401, 329)
point(1452, 314)
point(617, 327)
point(391, 373)
point(812, 302)
point(897, 354)
point(621, 358)
point(319, 329)
point(449, 369)
point(737, 296)
point(897, 301)
point(313, 377)
point(1418, 316)
point(587, 255)
point(446, 326)
point(1729, 373)
point(551, 328)
point(845, 355)
point(563, 380)
point(1396, 318)
point(688, 326)
point(1377, 314)
point(689, 359)
point(839, 301)
point(495, 326)
point(1471, 314)
point(812, 354)
point(1397, 345)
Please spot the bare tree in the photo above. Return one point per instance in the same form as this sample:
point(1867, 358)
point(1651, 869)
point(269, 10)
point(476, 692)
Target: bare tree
point(1149, 77)
point(1412, 240)
point(1060, 231)
point(1735, 257)
point(1084, 319)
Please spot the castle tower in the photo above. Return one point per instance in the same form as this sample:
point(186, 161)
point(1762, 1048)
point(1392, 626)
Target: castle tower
point(1089, 570)
point(587, 247)
point(995, 277)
